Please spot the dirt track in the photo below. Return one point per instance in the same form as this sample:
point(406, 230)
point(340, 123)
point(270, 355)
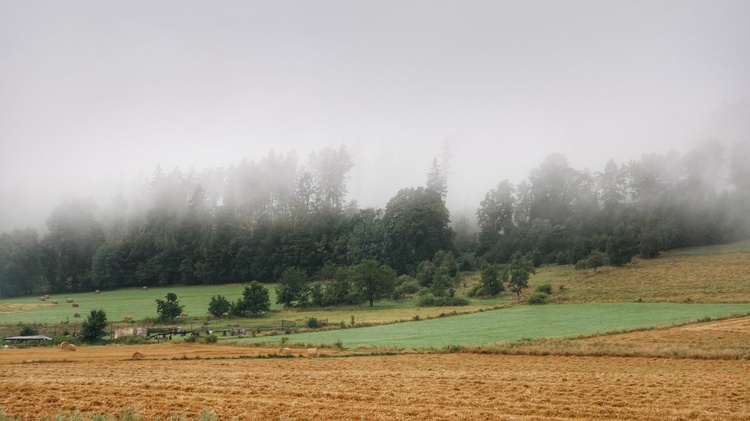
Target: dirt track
point(424, 387)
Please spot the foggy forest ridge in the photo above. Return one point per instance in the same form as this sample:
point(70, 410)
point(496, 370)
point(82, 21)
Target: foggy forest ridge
point(135, 195)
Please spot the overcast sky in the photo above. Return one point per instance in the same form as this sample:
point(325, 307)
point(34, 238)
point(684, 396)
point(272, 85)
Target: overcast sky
point(92, 91)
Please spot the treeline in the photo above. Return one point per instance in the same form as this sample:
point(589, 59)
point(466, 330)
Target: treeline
point(255, 220)
point(563, 215)
point(249, 222)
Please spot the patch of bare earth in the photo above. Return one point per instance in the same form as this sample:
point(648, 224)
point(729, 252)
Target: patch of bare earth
point(418, 387)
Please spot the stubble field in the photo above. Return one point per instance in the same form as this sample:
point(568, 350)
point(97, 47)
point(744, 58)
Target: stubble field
point(186, 380)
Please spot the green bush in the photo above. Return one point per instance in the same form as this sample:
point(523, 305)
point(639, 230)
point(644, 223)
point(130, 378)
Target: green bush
point(313, 323)
point(211, 339)
point(477, 291)
point(429, 300)
point(545, 288)
point(28, 330)
point(538, 297)
point(408, 288)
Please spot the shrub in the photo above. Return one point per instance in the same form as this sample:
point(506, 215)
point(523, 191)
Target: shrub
point(211, 339)
point(313, 323)
point(28, 330)
point(429, 300)
point(219, 306)
point(546, 288)
point(477, 290)
point(408, 287)
point(538, 297)
point(403, 279)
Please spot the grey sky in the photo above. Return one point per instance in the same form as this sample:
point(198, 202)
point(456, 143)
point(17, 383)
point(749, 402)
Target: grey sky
point(100, 90)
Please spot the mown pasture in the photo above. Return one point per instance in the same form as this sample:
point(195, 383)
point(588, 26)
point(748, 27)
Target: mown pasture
point(516, 323)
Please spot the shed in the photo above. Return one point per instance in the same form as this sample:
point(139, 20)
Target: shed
point(21, 340)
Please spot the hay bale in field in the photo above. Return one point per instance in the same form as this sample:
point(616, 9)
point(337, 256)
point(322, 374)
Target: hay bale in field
point(69, 300)
point(312, 352)
point(75, 304)
point(138, 356)
point(127, 319)
point(76, 315)
point(145, 288)
point(54, 301)
point(285, 351)
point(67, 346)
point(96, 292)
point(46, 296)
point(42, 299)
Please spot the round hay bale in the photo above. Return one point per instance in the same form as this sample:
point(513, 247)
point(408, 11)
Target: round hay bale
point(46, 296)
point(96, 292)
point(66, 346)
point(42, 298)
point(127, 319)
point(75, 304)
point(145, 288)
point(54, 301)
point(76, 315)
point(69, 300)
point(138, 356)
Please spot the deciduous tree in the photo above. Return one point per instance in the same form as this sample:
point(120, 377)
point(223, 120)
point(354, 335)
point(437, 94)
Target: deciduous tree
point(373, 280)
point(170, 308)
point(519, 271)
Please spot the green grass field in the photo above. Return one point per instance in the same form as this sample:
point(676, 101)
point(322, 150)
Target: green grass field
point(703, 276)
point(139, 305)
point(136, 303)
point(515, 323)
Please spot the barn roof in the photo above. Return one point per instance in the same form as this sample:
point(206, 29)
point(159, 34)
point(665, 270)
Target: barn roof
point(28, 338)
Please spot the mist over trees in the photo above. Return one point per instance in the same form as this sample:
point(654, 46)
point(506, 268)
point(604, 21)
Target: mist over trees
point(638, 208)
point(270, 219)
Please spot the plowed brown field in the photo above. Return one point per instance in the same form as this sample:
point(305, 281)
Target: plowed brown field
point(170, 381)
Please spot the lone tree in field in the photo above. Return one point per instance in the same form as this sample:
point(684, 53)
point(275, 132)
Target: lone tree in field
point(521, 267)
point(373, 280)
point(93, 327)
point(168, 310)
point(255, 300)
point(596, 260)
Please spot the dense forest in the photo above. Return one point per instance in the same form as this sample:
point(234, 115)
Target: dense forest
point(255, 220)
